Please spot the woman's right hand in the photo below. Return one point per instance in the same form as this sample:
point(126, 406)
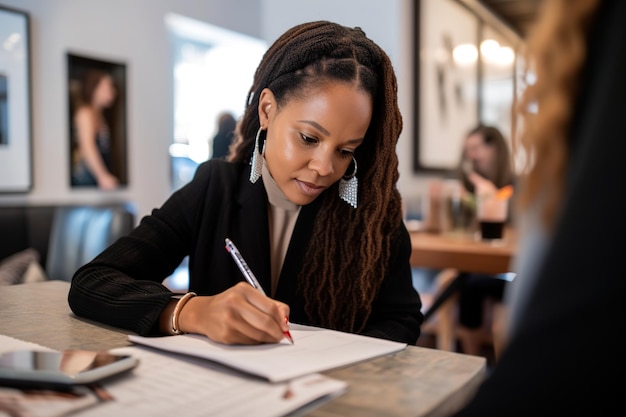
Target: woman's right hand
point(239, 315)
point(481, 184)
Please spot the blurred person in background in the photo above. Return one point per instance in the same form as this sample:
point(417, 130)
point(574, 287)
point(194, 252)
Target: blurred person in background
point(226, 124)
point(485, 163)
point(484, 168)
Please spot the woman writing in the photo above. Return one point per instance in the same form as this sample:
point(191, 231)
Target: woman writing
point(308, 195)
point(92, 154)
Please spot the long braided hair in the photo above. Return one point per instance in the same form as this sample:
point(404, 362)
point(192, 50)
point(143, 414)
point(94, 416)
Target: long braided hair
point(349, 249)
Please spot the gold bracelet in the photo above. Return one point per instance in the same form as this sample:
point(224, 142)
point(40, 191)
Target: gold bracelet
point(177, 309)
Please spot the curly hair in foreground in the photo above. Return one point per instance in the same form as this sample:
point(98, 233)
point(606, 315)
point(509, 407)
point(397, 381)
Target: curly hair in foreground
point(556, 51)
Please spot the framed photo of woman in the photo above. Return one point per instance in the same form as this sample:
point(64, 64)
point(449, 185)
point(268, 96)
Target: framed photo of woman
point(97, 123)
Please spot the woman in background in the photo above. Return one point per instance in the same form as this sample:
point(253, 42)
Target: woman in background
point(92, 148)
point(484, 167)
point(564, 350)
point(222, 140)
point(485, 164)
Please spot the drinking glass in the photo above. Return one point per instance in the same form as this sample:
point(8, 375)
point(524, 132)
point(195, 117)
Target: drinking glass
point(491, 214)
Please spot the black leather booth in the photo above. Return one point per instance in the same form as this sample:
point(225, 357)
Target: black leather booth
point(65, 236)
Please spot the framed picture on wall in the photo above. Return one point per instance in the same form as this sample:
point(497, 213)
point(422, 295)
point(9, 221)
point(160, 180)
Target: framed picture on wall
point(446, 82)
point(497, 87)
point(15, 102)
point(97, 122)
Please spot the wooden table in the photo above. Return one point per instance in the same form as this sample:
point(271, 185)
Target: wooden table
point(414, 382)
point(463, 252)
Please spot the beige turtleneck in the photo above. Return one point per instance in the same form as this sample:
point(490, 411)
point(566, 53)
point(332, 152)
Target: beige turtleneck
point(282, 215)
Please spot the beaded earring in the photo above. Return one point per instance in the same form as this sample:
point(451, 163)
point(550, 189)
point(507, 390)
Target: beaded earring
point(257, 158)
point(349, 187)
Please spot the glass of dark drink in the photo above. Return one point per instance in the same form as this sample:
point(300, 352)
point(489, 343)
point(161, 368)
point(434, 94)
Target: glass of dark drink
point(490, 230)
point(491, 213)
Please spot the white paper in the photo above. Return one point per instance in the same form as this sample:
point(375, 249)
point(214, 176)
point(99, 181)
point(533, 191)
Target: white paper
point(166, 384)
point(314, 350)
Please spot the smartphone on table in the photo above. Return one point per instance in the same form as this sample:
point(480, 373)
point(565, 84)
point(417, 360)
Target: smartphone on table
point(61, 369)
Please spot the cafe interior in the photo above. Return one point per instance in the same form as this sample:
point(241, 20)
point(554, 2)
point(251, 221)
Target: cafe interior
point(178, 64)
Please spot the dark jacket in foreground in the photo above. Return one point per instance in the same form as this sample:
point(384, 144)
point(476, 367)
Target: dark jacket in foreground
point(567, 353)
point(122, 286)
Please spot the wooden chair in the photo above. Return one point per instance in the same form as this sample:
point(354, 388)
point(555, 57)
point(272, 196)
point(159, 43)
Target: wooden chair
point(443, 324)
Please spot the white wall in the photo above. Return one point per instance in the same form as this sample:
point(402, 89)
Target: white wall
point(133, 31)
point(130, 31)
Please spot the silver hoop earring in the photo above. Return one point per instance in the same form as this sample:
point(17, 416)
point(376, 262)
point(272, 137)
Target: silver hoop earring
point(349, 187)
point(257, 158)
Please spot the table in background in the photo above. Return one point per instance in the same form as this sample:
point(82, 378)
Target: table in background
point(414, 382)
point(461, 254)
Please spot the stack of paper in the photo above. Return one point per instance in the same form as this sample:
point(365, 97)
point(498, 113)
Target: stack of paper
point(165, 385)
point(189, 375)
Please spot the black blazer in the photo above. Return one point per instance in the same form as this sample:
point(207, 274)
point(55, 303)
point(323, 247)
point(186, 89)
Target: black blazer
point(122, 286)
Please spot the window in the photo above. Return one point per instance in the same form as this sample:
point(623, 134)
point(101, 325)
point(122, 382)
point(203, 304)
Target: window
point(212, 71)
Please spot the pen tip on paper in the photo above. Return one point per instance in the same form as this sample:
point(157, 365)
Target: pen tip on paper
point(287, 333)
point(288, 393)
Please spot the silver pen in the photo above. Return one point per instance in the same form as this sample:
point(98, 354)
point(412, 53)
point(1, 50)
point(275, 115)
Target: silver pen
point(248, 275)
point(243, 266)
